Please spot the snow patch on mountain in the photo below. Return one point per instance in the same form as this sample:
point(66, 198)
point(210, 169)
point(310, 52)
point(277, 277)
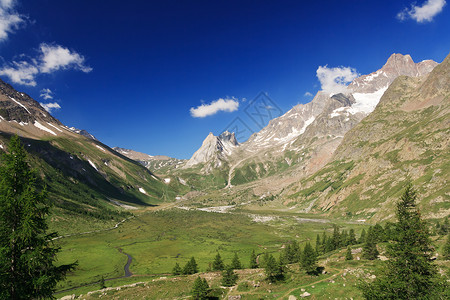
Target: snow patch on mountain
point(93, 165)
point(54, 127)
point(100, 148)
point(42, 127)
point(366, 102)
point(20, 104)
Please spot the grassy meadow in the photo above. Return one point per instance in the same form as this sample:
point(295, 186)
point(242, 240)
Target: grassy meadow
point(158, 239)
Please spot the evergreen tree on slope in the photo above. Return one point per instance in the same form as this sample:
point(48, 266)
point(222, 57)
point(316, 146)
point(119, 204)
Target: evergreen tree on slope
point(408, 272)
point(27, 253)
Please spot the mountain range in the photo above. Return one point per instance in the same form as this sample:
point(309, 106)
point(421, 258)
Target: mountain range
point(346, 154)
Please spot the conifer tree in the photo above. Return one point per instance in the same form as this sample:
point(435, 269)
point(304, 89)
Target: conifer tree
point(348, 254)
point(351, 237)
point(177, 269)
point(253, 263)
point(408, 273)
point(295, 248)
point(190, 267)
point(274, 269)
point(102, 283)
point(27, 253)
point(309, 259)
point(446, 250)
point(336, 240)
point(324, 239)
point(370, 250)
point(318, 245)
point(218, 264)
point(362, 237)
point(344, 238)
point(236, 263)
point(229, 278)
point(329, 245)
point(200, 289)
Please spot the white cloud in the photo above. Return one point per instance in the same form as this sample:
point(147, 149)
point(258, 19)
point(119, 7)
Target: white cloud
point(51, 59)
point(204, 110)
point(21, 72)
point(57, 57)
point(46, 94)
point(49, 107)
point(424, 13)
point(335, 80)
point(9, 19)
point(308, 94)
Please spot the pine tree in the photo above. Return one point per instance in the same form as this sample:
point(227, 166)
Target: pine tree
point(27, 253)
point(446, 250)
point(236, 263)
point(102, 283)
point(253, 263)
point(200, 289)
point(351, 237)
point(309, 259)
point(229, 278)
point(370, 251)
point(344, 238)
point(218, 264)
point(329, 245)
point(274, 270)
point(295, 248)
point(445, 227)
point(408, 273)
point(177, 269)
point(362, 237)
point(190, 267)
point(379, 233)
point(318, 245)
point(348, 254)
point(336, 237)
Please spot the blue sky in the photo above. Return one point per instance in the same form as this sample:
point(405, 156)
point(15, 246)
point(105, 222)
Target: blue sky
point(133, 72)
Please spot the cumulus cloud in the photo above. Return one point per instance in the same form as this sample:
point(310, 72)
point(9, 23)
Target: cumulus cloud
point(424, 13)
point(335, 80)
point(50, 59)
point(21, 72)
point(49, 107)
point(9, 19)
point(308, 94)
point(46, 94)
point(204, 110)
point(57, 57)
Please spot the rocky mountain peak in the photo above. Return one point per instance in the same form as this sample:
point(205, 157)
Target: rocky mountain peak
point(396, 65)
point(228, 137)
point(214, 149)
point(19, 107)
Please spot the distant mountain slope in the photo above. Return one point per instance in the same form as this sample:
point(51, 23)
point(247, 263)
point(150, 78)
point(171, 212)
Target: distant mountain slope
point(155, 163)
point(405, 137)
point(86, 179)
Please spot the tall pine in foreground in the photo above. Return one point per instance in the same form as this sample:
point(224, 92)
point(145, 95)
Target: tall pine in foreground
point(27, 253)
point(408, 272)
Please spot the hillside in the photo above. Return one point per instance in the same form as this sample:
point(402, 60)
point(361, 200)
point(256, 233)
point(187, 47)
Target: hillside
point(405, 138)
point(87, 181)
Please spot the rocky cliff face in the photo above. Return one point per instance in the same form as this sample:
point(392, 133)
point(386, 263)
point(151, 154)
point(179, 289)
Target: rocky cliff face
point(214, 150)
